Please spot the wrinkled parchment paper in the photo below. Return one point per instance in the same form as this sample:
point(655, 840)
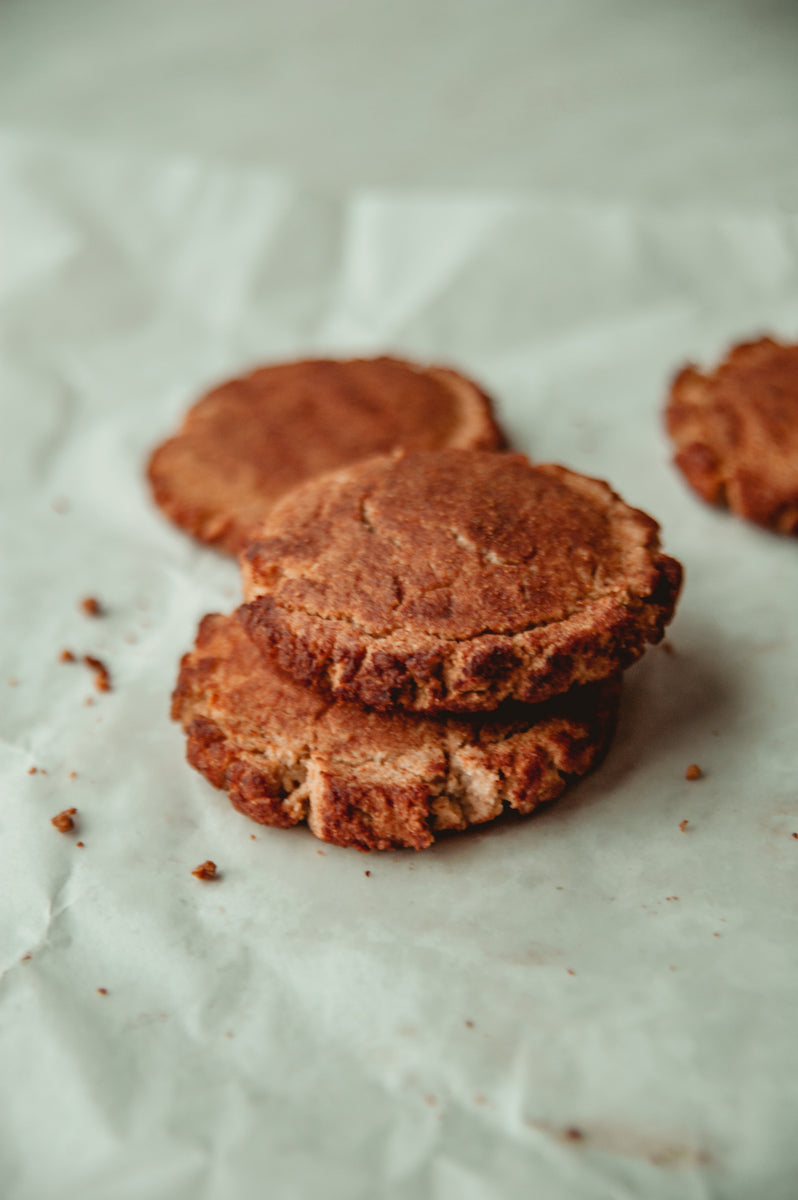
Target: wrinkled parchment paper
point(592, 1003)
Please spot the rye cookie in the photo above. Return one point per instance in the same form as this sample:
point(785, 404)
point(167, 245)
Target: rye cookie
point(736, 432)
point(454, 580)
point(250, 440)
point(377, 781)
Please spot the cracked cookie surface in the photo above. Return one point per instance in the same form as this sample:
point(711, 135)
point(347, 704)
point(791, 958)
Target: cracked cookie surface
point(453, 580)
point(250, 440)
point(736, 432)
point(373, 780)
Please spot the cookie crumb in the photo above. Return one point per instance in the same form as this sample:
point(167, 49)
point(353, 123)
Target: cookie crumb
point(795, 835)
point(206, 870)
point(102, 991)
point(89, 701)
point(469, 1024)
point(63, 821)
point(73, 774)
point(102, 676)
point(683, 825)
point(367, 874)
point(693, 772)
point(26, 958)
point(91, 607)
point(570, 970)
point(573, 1134)
point(66, 656)
point(34, 771)
point(79, 845)
point(671, 897)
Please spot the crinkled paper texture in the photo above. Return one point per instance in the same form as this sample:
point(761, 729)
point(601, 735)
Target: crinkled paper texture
point(297, 1028)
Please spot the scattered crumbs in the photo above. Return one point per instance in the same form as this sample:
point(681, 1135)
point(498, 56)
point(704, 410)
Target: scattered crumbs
point(479, 1098)
point(66, 656)
point(693, 772)
point(683, 825)
point(430, 1100)
point(102, 676)
point(60, 505)
point(73, 774)
point(206, 870)
point(26, 958)
point(102, 991)
point(252, 837)
point(91, 607)
point(573, 1134)
point(89, 701)
point(671, 897)
point(33, 771)
point(63, 821)
point(570, 970)
point(79, 845)
point(469, 1024)
point(367, 874)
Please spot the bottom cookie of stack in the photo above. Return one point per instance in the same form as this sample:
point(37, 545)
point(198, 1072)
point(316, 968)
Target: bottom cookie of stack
point(374, 780)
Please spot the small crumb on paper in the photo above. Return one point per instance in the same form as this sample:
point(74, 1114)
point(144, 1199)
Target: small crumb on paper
point(66, 656)
point(206, 870)
point(102, 676)
point(102, 991)
point(683, 825)
point(91, 607)
point(63, 821)
point(573, 1134)
point(693, 772)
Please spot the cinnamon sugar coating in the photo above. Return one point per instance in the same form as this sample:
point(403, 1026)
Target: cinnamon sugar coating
point(454, 580)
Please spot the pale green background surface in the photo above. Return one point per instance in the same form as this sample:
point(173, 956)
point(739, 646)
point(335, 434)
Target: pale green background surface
point(298, 1029)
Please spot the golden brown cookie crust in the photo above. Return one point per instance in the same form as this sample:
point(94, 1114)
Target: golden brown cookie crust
point(250, 440)
point(454, 580)
point(736, 432)
point(372, 780)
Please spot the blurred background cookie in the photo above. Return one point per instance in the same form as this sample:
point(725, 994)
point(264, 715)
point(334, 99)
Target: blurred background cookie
point(377, 781)
point(736, 432)
point(250, 440)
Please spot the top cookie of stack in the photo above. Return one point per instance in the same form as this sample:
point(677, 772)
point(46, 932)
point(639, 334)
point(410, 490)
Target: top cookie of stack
point(454, 580)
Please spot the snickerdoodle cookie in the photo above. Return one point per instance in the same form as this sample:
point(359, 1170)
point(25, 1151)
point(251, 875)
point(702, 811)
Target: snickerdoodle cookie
point(453, 580)
point(246, 443)
point(373, 780)
point(736, 432)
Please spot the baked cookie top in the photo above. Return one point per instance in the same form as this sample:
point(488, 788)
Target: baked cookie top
point(453, 580)
point(736, 432)
point(246, 443)
point(367, 779)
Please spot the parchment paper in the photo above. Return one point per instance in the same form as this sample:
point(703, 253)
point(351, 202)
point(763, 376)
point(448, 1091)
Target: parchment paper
point(592, 1003)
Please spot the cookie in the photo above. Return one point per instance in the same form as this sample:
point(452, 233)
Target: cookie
point(454, 580)
point(736, 432)
point(250, 440)
point(377, 781)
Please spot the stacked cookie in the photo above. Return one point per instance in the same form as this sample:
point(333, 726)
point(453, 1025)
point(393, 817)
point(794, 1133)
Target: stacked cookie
point(428, 637)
